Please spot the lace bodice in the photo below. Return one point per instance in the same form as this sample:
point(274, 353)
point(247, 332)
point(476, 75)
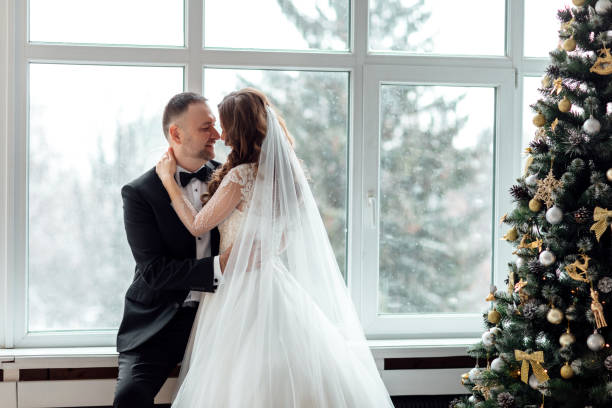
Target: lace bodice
point(243, 175)
point(225, 209)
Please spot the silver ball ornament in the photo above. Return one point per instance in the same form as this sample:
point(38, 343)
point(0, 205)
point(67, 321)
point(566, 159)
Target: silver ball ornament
point(609, 174)
point(591, 126)
point(567, 339)
point(498, 365)
point(596, 342)
point(472, 399)
point(520, 262)
point(531, 180)
point(547, 258)
point(602, 6)
point(554, 215)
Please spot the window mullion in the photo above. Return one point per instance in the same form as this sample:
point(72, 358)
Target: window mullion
point(17, 149)
point(194, 18)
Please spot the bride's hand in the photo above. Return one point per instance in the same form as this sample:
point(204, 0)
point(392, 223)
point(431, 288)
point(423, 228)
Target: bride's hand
point(166, 166)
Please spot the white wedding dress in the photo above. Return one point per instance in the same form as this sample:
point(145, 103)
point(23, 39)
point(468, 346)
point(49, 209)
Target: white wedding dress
point(276, 333)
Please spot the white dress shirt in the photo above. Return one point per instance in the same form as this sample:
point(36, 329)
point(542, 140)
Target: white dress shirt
point(193, 190)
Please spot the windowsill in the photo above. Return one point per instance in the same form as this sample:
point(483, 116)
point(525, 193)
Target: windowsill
point(73, 357)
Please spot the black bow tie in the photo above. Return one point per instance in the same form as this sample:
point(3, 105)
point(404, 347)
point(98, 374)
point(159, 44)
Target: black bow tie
point(203, 175)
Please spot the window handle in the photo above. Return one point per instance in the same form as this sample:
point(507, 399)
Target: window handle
point(372, 209)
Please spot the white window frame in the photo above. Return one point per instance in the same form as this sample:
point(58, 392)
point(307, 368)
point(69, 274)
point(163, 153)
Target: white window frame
point(366, 71)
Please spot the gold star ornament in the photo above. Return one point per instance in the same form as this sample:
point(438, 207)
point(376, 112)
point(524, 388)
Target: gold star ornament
point(547, 187)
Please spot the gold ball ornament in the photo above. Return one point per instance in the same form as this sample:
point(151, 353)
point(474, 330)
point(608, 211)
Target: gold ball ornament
point(567, 371)
point(494, 316)
point(579, 3)
point(535, 205)
point(564, 105)
point(569, 44)
point(609, 174)
point(539, 120)
point(546, 82)
point(554, 316)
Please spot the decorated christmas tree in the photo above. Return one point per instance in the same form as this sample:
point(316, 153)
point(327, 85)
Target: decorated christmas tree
point(547, 338)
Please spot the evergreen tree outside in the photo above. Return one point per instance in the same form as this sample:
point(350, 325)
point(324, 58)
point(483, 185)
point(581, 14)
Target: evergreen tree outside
point(547, 338)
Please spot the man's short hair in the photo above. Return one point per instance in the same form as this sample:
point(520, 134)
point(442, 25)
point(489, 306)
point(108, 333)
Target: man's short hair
point(177, 105)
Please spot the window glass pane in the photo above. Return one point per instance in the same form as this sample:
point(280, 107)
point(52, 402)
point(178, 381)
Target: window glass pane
point(116, 22)
point(315, 107)
point(437, 26)
point(530, 96)
point(92, 129)
point(436, 178)
point(542, 26)
point(277, 24)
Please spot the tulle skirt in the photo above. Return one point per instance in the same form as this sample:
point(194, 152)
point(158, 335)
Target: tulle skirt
point(274, 349)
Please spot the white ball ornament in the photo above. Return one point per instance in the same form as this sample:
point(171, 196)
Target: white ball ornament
point(472, 399)
point(602, 6)
point(496, 331)
point(520, 262)
point(609, 174)
point(531, 180)
point(554, 316)
point(533, 382)
point(488, 339)
point(591, 126)
point(554, 215)
point(567, 339)
point(498, 365)
point(475, 374)
point(547, 258)
point(596, 342)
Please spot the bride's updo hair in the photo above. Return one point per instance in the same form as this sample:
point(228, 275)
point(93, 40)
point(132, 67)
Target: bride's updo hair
point(245, 123)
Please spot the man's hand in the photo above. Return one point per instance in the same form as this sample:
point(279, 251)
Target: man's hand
point(224, 257)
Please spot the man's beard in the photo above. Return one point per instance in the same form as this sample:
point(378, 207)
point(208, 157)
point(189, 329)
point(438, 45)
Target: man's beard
point(206, 155)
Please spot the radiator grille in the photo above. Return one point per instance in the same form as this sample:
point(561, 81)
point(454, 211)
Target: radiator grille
point(438, 401)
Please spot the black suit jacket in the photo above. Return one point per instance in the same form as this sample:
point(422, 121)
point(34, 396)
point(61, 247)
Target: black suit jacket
point(166, 268)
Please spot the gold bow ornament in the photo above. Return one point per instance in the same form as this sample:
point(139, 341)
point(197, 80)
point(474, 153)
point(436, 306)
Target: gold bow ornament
point(535, 359)
point(602, 220)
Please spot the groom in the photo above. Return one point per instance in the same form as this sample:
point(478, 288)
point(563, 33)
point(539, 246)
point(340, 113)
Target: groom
point(172, 266)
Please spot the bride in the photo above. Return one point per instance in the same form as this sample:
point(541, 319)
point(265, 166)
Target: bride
point(281, 331)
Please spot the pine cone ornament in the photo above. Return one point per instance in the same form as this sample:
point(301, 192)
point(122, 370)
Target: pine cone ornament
point(605, 285)
point(576, 139)
point(454, 403)
point(539, 146)
point(608, 363)
point(529, 310)
point(536, 267)
point(582, 215)
point(519, 193)
point(505, 400)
